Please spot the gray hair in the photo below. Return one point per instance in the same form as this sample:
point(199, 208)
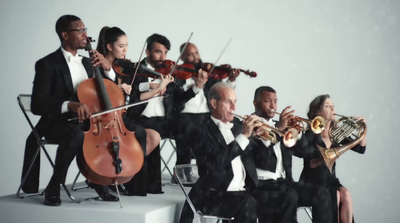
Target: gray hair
point(213, 93)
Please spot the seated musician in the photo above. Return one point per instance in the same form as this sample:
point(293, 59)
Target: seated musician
point(195, 111)
point(228, 178)
point(274, 163)
point(54, 98)
point(113, 44)
point(158, 114)
point(315, 171)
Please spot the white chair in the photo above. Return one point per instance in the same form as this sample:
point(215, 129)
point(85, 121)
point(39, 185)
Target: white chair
point(187, 175)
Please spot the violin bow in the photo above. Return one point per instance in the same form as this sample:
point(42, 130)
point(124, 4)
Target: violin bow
point(140, 58)
point(222, 52)
point(183, 50)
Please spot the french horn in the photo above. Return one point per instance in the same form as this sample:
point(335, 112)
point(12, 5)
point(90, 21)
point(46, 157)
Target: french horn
point(349, 128)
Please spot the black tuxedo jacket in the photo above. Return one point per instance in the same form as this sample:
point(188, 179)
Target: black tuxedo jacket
point(52, 86)
point(173, 103)
point(214, 159)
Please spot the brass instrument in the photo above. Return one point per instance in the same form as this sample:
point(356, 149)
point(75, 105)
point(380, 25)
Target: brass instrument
point(289, 137)
point(349, 128)
point(317, 125)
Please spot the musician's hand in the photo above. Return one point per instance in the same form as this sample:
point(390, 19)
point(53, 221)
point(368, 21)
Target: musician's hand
point(164, 82)
point(201, 79)
point(284, 117)
point(126, 88)
point(99, 60)
point(154, 85)
point(82, 110)
point(249, 124)
point(364, 140)
point(234, 74)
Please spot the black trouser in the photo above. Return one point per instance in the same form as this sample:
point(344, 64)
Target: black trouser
point(148, 180)
point(307, 195)
point(187, 135)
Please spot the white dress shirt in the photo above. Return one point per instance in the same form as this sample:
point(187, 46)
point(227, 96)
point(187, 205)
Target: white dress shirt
point(197, 104)
point(154, 108)
point(239, 173)
point(78, 73)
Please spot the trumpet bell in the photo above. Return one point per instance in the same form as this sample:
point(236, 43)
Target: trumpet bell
point(318, 124)
point(290, 137)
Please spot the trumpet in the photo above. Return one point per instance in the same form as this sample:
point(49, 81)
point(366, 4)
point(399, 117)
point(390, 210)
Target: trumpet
point(317, 125)
point(269, 133)
point(349, 128)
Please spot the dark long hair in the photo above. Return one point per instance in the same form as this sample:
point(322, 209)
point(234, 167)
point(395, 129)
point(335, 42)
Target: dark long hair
point(108, 36)
point(316, 105)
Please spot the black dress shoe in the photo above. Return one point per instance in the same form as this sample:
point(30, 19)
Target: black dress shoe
point(102, 191)
point(52, 200)
point(52, 194)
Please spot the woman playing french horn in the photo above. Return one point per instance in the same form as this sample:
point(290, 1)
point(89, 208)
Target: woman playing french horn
point(316, 169)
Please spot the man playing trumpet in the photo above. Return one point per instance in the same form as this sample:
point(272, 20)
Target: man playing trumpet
point(273, 165)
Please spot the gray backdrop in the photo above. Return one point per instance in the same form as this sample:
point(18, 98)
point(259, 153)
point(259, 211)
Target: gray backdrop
point(349, 49)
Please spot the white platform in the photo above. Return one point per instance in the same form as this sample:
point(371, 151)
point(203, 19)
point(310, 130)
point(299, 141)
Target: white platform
point(154, 208)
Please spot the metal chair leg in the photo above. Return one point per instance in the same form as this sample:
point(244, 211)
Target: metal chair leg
point(80, 187)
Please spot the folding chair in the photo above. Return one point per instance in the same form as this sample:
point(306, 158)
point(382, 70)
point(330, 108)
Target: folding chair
point(170, 156)
point(187, 174)
point(24, 101)
point(308, 211)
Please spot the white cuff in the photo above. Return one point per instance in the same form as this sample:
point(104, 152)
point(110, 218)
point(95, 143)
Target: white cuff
point(243, 141)
point(145, 86)
point(196, 89)
point(64, 107)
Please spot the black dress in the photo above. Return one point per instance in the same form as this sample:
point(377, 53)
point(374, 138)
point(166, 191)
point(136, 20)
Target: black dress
point(321, 175)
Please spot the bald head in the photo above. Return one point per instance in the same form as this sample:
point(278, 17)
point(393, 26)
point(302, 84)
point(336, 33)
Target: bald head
point(191, 53)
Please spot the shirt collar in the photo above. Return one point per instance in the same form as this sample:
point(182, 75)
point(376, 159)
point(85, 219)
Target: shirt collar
point(222, 125)
point(71, 58)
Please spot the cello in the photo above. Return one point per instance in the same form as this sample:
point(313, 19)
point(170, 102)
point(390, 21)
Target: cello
point(111, 153)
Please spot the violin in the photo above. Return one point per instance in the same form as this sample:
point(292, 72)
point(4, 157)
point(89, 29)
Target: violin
point(111, 153)
point(222, 71)
point(127, 68)
point(182, 72)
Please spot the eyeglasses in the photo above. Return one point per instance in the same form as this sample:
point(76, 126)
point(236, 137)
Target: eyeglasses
point(80, 31)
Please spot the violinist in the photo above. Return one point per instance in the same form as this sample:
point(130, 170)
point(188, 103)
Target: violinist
point(159, 114)
point(195, 111)
point(113, 44)
point(57, 78)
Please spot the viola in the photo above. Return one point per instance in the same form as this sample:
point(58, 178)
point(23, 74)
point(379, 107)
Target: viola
point(111, 153)
point(223, 71)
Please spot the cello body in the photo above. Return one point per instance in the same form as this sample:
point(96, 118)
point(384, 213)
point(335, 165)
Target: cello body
point(111, 153)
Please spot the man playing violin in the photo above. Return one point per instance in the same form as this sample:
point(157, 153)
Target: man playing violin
point(158, 114)
point(273, 165)
point(54, 98)
point(195, 111)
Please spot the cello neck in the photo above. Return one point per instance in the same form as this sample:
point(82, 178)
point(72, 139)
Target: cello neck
point(99, 78)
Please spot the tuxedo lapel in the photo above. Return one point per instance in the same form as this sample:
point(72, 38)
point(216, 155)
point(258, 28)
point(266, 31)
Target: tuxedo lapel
point(216, 133)
point(63, 69)
point(88, 66)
